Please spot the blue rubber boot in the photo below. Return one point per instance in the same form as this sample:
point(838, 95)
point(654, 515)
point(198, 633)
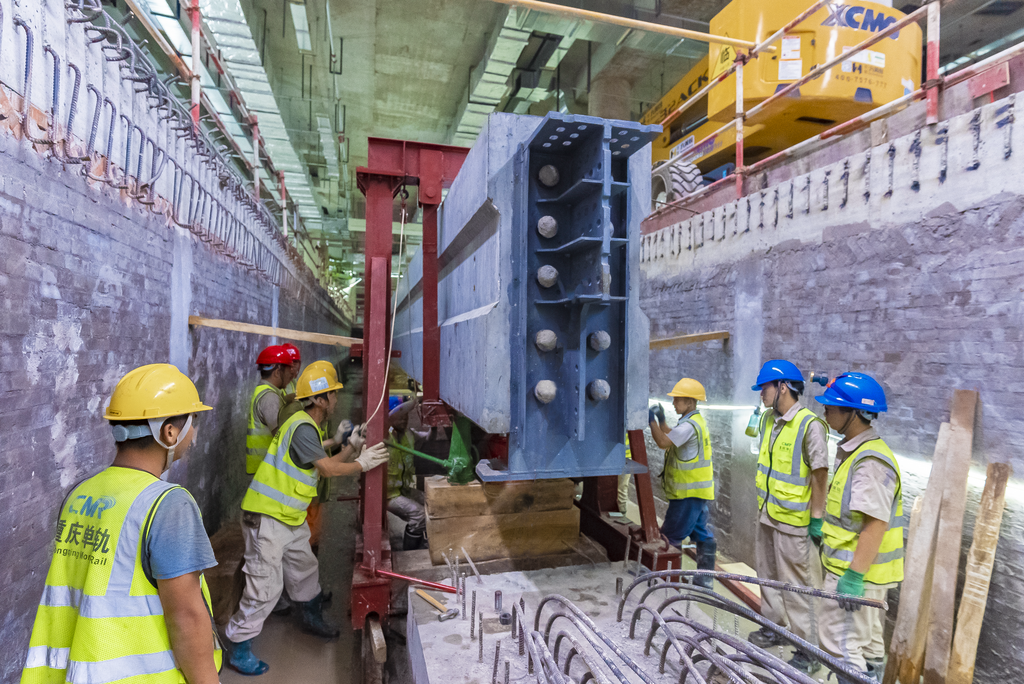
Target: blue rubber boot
point(313, 618)
point(243, 660)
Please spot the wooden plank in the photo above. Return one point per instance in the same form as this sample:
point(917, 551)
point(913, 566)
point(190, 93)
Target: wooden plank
point(948, 539)
point(689, 339)
point(512, 535)
point(980, 560)
point(906, 649)
point(496, 498)
point(319, 338)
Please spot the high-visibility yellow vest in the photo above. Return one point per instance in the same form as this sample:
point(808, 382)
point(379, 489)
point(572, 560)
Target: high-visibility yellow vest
point(280, 488)
point(783, 479)
point(100, 618)
point(401, 467)
point(258, 436)
point(693, 479)
point(840, 530)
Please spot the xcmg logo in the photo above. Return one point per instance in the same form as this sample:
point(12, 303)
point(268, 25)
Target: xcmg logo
point(857, 17)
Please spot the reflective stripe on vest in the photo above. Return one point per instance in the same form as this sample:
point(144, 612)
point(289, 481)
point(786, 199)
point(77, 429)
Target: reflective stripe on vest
point(100, 618)
point(280, 488)
point(258, 436)
point(693, 479)
point(401, 468)
point(783, 478)
point(841, 527)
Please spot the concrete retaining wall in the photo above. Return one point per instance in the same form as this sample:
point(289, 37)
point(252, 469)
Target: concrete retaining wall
point(93, 287)
point(905, 261)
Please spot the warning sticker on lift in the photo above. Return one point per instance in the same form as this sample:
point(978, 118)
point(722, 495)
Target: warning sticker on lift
point(791, 67)
point(865, 57)
point(790, 47)
point(725, 59)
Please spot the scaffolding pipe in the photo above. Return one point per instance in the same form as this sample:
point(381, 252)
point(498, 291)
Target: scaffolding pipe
point(636, 24)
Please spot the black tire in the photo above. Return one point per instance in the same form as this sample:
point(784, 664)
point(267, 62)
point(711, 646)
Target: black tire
point(686, 180)
point(672, 182)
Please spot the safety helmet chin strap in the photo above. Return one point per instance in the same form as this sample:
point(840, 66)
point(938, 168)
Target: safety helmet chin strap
point(155, 425)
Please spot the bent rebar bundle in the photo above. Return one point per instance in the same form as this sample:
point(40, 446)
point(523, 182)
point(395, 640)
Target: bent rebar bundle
point(566, 646)
point(153, 132)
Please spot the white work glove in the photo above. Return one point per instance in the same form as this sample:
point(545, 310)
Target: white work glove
point(358, 437)
point(372, 457)
point(343, 427)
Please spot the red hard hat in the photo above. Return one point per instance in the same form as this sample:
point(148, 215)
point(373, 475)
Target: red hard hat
point(273, 355)
point(292, 351)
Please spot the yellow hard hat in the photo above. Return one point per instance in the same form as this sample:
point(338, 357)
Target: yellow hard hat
point(317, 378)
point(158, 390)
point(688, 387)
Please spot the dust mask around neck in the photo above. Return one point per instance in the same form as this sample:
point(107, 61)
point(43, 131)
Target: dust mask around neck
point(155, 425)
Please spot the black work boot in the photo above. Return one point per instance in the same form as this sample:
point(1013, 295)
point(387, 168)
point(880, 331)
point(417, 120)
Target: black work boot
point(707, 553)
point(313, 618)
point(804, 663)
point(764, 638)
point(413, 540)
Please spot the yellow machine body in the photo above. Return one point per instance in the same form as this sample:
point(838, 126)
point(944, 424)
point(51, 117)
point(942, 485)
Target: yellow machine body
point(888, 70)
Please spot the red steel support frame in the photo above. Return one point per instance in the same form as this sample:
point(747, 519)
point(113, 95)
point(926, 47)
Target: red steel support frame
point(391, 165)
point(599, 498)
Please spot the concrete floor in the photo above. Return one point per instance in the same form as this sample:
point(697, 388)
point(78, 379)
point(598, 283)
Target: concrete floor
point(297, 657)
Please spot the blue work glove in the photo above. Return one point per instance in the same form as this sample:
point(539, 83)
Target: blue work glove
point(851, 584)
point(814, 531)
point(656, 414)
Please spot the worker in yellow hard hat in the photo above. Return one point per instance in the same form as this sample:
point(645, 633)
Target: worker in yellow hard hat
point(688, 477)
point(277, 550)
point(130, 553)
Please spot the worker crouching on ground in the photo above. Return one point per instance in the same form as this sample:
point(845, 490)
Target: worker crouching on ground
point(277, 551)
point(688, 478)
point(404, 500)
point(792, 480)
point(862, 536)
point(275, 367)
point(125, 597)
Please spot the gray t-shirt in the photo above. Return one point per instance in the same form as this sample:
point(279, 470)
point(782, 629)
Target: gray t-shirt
point(684, 437)
point(306, 447)
point(268, 407)
point(177, 542)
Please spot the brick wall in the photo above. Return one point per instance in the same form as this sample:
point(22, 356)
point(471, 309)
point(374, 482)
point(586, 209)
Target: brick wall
point(906, 265)
point(90, 288)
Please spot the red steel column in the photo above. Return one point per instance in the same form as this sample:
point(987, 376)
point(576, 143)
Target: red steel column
point(377, 279)
point(644, 490)
point(431, 170)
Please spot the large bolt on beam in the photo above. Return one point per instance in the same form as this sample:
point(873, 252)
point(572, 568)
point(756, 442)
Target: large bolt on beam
point(545, 391)
point(547, 276)
point(546, 340)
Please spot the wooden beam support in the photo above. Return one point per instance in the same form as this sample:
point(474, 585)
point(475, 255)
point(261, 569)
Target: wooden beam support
point(906, 649)
point(948, 539)
point(319, 338)
point(667, 342)
point(980, 560)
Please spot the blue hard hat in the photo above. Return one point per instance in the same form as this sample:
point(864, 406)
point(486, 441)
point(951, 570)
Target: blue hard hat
point(777, 369)
point(855, 390)
point(394, 402)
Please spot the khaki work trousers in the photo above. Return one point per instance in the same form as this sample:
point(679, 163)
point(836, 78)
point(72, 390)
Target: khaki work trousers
point(276, 556)
point(856, 636)
point(788, 558)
